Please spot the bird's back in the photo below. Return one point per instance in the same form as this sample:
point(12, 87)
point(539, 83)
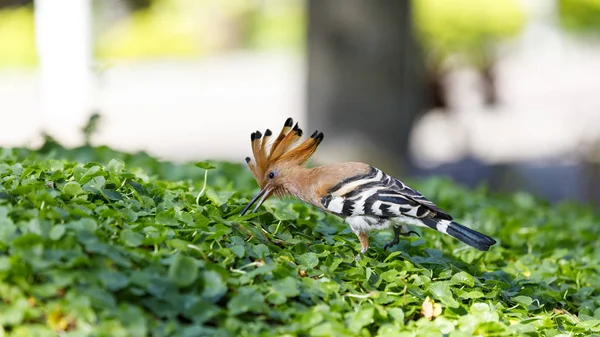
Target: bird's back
point(353, 189)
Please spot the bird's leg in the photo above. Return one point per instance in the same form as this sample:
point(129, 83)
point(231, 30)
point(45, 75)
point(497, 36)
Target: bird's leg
point(398, 230)
point(364, 242)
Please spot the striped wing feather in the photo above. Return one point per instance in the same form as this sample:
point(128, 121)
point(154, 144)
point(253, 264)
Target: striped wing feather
point(378, 194)
point(421, 201)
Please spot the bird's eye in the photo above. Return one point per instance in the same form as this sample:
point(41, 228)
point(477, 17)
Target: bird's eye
point(271, 174)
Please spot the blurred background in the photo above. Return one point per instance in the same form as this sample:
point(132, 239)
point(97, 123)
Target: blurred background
point(503, 92)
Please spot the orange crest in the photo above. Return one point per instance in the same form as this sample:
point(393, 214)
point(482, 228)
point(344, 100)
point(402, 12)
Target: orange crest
point(282, 150)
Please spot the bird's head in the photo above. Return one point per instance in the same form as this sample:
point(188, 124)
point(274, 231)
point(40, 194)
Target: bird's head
point(275, 161)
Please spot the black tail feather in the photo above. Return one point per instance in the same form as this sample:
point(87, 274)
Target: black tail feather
point(458, 231)
point(469, 236)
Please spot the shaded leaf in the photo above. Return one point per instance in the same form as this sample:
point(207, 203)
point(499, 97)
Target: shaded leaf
point(308, 260)
point(131, 238)
point(57, 232)
point(183, 271)
point(441, 291)
point(214, 286)
point(362, 317)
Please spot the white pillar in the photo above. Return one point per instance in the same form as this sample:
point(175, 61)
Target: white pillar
point(64, 46)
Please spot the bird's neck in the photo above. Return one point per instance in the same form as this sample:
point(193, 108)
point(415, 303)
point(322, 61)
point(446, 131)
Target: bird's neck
point(302, 183)
point(312, 184)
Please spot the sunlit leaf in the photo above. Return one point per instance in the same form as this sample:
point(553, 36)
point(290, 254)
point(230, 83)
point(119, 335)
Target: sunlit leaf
point(204, 165)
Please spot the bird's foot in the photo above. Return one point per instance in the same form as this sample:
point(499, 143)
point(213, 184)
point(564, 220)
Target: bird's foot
point(391, 244)
point(362, 252)
point(396, 238)
point(409, 233)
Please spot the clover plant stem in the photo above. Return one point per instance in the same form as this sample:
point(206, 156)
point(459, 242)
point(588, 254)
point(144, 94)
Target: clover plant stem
point(249, 265)
point(277, 228)
point(358, 295)
point(265, 231)
point(194, 248)
point(203, 187)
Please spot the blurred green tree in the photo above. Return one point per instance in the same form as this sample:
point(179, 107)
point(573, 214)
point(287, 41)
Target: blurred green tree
point(580, 16)
point(15, 3)
point(17, 38)
point(466, 32)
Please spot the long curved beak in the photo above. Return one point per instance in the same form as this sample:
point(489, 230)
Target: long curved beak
point(261, 197)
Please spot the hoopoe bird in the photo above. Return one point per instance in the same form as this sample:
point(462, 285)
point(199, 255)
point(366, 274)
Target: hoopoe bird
point(364, 196)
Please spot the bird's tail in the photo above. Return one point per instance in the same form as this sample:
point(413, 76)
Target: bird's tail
point(464, 234)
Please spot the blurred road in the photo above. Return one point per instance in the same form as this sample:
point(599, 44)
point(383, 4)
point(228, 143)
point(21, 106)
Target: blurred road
point(549, 109)
point(177, 110)
point(195, 109)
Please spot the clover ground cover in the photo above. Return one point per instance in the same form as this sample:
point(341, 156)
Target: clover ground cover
point(98, 242)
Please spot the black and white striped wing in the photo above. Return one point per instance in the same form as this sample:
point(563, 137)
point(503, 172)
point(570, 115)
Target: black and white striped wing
point(380, 195)
point(369, 198)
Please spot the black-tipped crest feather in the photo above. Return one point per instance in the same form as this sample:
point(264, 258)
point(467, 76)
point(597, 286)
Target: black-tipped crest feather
point(284, 148)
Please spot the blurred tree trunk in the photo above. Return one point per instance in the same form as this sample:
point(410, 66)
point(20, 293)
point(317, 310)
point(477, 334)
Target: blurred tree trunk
point(14, 3)
point(365, 79)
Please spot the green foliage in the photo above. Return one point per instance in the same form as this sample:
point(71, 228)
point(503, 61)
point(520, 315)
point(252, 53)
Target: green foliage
point(97, 242)
point(281, 25)
point(470, 29)
point(17, 41)
point(162, 30)
point(171, 28)
point(191, 28)
point(580, 16)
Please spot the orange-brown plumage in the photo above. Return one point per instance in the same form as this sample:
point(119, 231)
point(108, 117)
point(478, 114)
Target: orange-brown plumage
point(363, 195)
point(316, 182)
